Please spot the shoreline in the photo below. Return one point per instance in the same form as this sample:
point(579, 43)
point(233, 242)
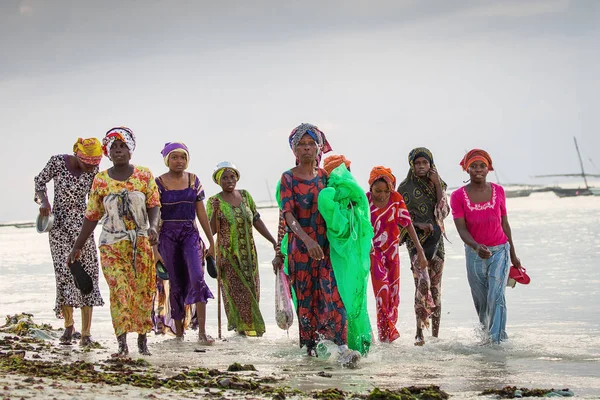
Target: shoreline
point(33, 364)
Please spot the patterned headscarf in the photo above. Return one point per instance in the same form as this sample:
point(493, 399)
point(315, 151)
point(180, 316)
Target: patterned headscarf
point(89, 151)
point(323, 146)
point(421, 200)
point(171, 147)
point(332, 162)
point(412, 156)
point(119, 133)
point(381, 172)
point(476, 155)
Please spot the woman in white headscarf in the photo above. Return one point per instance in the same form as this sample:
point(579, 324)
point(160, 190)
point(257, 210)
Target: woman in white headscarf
point(233, 214)
point(126, 196)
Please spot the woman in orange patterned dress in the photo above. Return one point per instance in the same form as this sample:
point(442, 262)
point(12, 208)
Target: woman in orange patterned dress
point(127, 196)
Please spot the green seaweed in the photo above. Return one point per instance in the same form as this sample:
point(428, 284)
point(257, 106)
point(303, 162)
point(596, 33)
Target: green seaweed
point(236, 367)
point(508, 392)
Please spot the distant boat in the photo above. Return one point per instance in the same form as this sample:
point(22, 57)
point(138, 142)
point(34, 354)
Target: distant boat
point(517, 193)
point(522, 191)
point(570, 192)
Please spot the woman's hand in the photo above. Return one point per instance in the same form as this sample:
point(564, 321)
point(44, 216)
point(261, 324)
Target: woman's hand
point(277, 264)
point(421, 259)
point(427, 228)
point(153, 236)
point(515, 260)
point(211, 250)
point(483, 251)
point(45, 208)
point(314, 250)
point(434, 177)
point(157, 256)
point(74, 255)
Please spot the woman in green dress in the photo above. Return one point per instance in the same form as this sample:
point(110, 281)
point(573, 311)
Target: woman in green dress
point(232, 215)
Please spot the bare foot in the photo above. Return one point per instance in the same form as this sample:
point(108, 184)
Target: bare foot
point(205, 340)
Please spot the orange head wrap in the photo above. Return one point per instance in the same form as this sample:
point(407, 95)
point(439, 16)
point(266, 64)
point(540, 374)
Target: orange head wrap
point(89, 151)
point(384, 173)
point(476, 155)
point(332, 162)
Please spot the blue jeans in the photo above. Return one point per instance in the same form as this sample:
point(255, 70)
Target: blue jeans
point(487, 279)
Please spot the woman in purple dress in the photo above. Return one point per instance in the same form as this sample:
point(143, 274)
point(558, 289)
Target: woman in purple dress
point(180, 247)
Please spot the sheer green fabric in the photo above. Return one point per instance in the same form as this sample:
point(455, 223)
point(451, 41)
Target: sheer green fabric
point(345, 208)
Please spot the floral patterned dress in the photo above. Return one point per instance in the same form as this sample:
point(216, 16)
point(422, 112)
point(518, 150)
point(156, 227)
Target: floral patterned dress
point(320, 309)
point(385, 262)
point(125, 251)
point(239, 263)
point(68, 208)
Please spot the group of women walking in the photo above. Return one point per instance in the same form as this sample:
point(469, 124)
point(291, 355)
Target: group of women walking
point(331, 237)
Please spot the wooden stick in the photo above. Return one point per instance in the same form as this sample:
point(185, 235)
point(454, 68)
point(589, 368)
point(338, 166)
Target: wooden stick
point(218, 262)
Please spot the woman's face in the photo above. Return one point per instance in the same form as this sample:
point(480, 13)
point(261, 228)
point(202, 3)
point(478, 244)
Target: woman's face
point(478, 171)
point(306, 150)
point(85, 167)
point(422, 167)
point(228, 181)
point(119, 153)
point(178, 161)
point(381, 192)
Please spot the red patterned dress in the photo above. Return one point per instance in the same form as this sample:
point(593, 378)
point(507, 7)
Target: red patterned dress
point(321, 312)
point(385, 262)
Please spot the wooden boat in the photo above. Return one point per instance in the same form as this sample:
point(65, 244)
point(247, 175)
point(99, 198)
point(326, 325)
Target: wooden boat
point(517, 193)
point(571, 192)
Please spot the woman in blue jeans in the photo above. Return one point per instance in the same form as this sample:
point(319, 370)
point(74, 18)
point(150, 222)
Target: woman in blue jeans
point(479, 212)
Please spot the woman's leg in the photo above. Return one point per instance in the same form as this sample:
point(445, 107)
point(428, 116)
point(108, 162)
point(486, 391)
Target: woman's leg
point(67, 336)
point(436, 267)
point(86, 324)
point(477, 275)
point(170, 251)
point(499, 264)
point(197, 290)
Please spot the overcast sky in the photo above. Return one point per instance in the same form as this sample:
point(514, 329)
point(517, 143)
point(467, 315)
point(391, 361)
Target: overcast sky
point(232, 78)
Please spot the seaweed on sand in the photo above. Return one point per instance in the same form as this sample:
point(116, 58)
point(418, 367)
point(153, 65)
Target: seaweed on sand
point(511, 392)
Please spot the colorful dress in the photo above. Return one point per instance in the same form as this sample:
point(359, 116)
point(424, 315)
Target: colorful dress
point(125, 251)
point(385, 262)
point(422, 203)
point(70, 193)
point(239, 263)
point(487, 278)
point(181, 246)
point(320, 309)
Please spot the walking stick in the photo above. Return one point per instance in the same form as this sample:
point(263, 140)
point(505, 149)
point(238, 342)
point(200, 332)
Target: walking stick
point(218, 259)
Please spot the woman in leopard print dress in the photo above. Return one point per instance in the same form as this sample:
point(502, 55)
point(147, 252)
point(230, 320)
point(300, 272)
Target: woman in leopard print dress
point(73, 176)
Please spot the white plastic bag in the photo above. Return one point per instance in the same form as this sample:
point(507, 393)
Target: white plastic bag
point(284, 313)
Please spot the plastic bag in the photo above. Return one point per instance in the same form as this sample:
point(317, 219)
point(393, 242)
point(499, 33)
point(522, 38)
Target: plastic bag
point(284, 313)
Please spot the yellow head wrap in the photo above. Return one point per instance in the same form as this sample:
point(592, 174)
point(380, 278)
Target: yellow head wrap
point(89, 151)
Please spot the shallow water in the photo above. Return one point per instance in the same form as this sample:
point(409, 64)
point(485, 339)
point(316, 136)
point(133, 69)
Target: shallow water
point(553, 323)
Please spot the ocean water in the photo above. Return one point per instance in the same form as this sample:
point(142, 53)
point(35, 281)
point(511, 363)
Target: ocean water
point(553, 323)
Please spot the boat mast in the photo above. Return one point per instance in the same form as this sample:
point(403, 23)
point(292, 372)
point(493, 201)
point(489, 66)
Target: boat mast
point(580, 163)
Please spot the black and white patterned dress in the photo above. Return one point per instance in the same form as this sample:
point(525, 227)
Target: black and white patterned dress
point(69, 206)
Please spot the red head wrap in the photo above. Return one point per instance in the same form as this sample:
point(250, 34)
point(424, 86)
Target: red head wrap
point(476, 155)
